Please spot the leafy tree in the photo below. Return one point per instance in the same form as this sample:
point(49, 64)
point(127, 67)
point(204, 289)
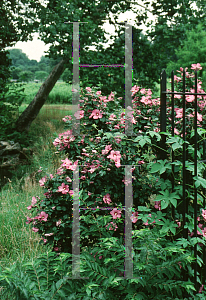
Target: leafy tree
point(15, 73)
point(144, 64)
point(18, 58)
point(41, 75)
point(192, 50)
point(17, 24)
point(67, 76)
point(26, 76)
point(168, 29)
point(54, 31)
point(173, 18)
point(45, 64)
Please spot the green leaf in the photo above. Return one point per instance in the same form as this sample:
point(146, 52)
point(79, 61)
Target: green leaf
point(62, 294)
point(174, 202)
point(176, 146)
point(153, 133)
point(199, 181)
point(164, 203)
point(59, 283)
point(155, 168)
point(88, 291)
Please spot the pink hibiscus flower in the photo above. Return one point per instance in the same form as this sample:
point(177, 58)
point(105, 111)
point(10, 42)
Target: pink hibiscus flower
point(42, 181)
point(190, 98)
point(69, 165)
point(204, 214)
point(178, 223)
point(96, 114)
point(115, 155)
point(64, 189)
point(126, 182)
point(29, 220)
point(79, 114)
point(116, 213)
point(56, 142)
point(107, 149)
point(68, 179)
point(33, 203)
point(196, 67)
point(43, 216)
point(111, 97)
point(107, 199)
point(88, 89)
point(179, 112)
point(134, 217)
point(134, 90)
point(158, 205)
point(113, 227)
point(65, 119)
point(35, 229)
point(112, 117)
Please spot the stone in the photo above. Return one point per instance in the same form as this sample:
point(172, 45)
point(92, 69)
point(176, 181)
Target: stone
point(11, 156)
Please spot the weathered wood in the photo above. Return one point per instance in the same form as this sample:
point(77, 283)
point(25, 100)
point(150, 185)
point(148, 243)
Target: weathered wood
point(30, 113)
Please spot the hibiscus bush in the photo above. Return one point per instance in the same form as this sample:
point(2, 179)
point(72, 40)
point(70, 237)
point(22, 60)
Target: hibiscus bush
point(101, 153)
point(99, 158)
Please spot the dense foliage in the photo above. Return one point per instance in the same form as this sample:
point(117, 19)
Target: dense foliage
point(101, 175)
point(191, 51)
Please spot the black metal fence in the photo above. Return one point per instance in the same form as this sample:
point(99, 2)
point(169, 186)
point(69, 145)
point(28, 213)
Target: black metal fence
point(168, 98)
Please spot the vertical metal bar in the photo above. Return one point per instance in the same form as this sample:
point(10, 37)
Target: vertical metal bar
point(128, 223)
point(163, 113)
point(75, 227)
point(204, 191)
point(195, 171)
point(173, 117)
point(184, 210)
point(75, 83)
point(185, 230)
point(128, 78)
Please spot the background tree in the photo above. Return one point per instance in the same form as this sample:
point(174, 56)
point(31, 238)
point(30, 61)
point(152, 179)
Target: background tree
point(41, 75)
point(151, 52)
point(192, 51)
point(45, 64)
point(18, 58)
point(26, 76)
point(17, 23)
point(172, 19)
point(54, 31)
point(67, 76)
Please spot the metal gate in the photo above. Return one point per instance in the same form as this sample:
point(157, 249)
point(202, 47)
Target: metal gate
point(186, 178)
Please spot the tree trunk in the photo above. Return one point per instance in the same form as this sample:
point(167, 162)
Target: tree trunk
point(30, 113)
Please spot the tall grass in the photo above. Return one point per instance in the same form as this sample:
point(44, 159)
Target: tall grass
point(61, 93)
point(17, 240)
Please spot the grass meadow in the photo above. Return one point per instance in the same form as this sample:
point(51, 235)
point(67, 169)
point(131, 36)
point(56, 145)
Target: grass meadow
point(61, 93)
point(18, 243)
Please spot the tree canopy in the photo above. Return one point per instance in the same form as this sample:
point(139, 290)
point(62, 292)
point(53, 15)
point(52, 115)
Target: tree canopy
point(191, 51)
point(151, 52)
